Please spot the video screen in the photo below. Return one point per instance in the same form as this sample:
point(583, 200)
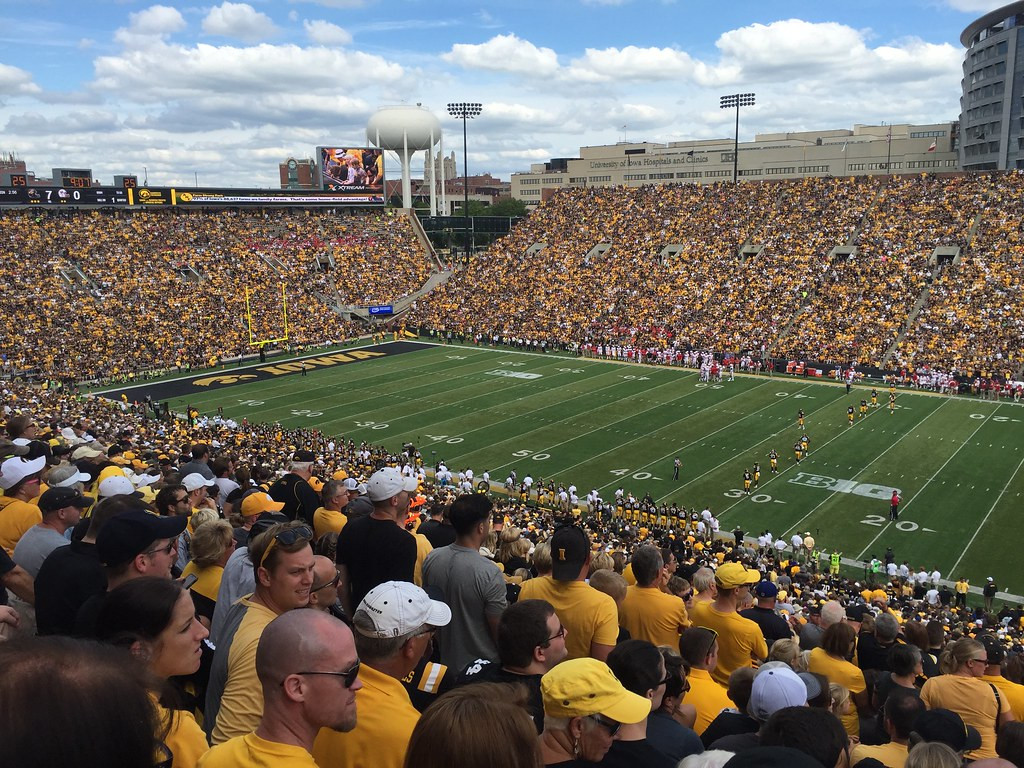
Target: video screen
point(357, 170)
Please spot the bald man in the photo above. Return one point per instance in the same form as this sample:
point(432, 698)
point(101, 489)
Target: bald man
point(307, 665)
point(323, 595)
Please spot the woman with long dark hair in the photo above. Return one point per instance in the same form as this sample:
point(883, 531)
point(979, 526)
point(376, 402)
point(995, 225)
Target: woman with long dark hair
point(155, 620)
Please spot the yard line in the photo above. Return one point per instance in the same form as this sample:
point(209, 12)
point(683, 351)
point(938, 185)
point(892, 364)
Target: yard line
point(470, 382)
point(733, 458)
point(670, 424)
point(578, 435)
point(965, 442)
point(979, 528)
point(838, 435)
point(492, 424)
point(347, 383)
point(621, 445)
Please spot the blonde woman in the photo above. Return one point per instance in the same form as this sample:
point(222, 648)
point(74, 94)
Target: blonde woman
point(960, 688)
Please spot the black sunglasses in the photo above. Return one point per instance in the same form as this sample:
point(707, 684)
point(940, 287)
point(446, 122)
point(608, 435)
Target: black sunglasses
point(332, 583)
point(612, 726)
point(348, 676)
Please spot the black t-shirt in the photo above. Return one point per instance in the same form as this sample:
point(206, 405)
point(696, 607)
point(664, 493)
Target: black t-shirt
point(672, 738)
point(871, 654)
point(300, 500)
point(437, 533)
point(632, 754)
point(728, 724)
point(375, 551)
point(773, 626)
point(483, 671)
point(67, 578)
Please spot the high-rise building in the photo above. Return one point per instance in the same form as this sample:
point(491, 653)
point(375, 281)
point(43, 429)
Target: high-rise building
point(992, 104)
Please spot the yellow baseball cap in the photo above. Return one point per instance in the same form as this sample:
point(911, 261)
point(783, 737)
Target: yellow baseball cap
point(581, 687)
point(731, 575)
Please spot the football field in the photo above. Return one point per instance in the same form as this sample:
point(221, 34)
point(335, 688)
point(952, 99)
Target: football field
point(956, 461)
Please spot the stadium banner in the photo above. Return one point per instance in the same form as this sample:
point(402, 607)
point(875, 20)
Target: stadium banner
point(382, 309)
point(353, 170)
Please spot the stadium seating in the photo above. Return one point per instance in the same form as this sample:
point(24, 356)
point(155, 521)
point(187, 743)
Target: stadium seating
point(105, 294)
point(753, 267)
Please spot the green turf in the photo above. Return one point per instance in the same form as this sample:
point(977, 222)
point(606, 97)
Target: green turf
point(957, 461)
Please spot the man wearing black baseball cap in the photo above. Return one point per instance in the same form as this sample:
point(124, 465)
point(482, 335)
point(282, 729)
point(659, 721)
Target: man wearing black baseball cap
point(300, 500)
point(947, 727)
point(590, 617)
point(132, 544)
point(62, 508)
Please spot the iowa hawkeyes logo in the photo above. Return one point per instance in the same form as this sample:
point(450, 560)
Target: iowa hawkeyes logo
point(228, 379)
point(186, 197)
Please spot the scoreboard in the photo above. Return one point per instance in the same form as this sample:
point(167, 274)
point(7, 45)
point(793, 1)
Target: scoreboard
point(73, 178)
point(78, 191)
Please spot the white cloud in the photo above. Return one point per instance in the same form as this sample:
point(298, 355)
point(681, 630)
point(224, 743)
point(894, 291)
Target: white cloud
point(633, 63)
point(800, 51)
point(239, 73)
point(158, 22)
point(324, 33)
point(504, 53)
point(16, 81)
point(239, 21)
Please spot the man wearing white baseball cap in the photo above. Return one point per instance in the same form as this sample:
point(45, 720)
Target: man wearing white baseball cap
point(377, 548)
point(19, 479)
point(393, 627)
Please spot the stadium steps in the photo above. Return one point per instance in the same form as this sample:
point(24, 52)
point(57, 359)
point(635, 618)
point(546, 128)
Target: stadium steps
point(421, 235)
point(597, 252)
point(273, 263)
point(937, 262)
point(879, 194)
point(76, 276)
point(351, 311)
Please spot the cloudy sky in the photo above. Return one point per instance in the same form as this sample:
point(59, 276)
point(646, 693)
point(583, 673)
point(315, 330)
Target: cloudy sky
point(227, 90)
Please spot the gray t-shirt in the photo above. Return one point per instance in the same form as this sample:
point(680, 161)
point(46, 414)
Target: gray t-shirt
point(34, 546)
point(474, 589)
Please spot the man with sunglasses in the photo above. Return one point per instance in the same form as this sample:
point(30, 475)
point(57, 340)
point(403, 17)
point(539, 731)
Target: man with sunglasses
point(323, 595)
point(394, 627)
point(283, 565)
point(308, 670)
point(132, 544)
point(531, 641)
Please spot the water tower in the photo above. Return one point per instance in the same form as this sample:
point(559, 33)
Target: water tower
point(405, 131)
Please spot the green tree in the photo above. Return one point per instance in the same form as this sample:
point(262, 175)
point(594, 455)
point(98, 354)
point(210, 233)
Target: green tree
point(508, 206)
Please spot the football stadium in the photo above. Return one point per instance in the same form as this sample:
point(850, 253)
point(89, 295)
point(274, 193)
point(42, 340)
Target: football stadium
point(725, 471)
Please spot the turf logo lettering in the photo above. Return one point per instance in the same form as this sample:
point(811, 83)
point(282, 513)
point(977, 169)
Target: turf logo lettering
point(227, 379)
point(513, 374)
point(838, 485)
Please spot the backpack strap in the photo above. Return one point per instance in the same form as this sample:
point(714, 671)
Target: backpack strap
point(999, 704)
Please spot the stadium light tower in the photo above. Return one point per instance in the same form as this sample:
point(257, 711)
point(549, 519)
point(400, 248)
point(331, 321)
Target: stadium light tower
point(736, 101)
point(465, 110)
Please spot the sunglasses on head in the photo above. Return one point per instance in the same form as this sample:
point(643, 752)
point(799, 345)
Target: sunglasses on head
point(287, 537)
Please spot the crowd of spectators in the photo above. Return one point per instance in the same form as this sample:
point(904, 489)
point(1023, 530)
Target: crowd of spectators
point(751, 269)
point(237, 594)
point(107, 294)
